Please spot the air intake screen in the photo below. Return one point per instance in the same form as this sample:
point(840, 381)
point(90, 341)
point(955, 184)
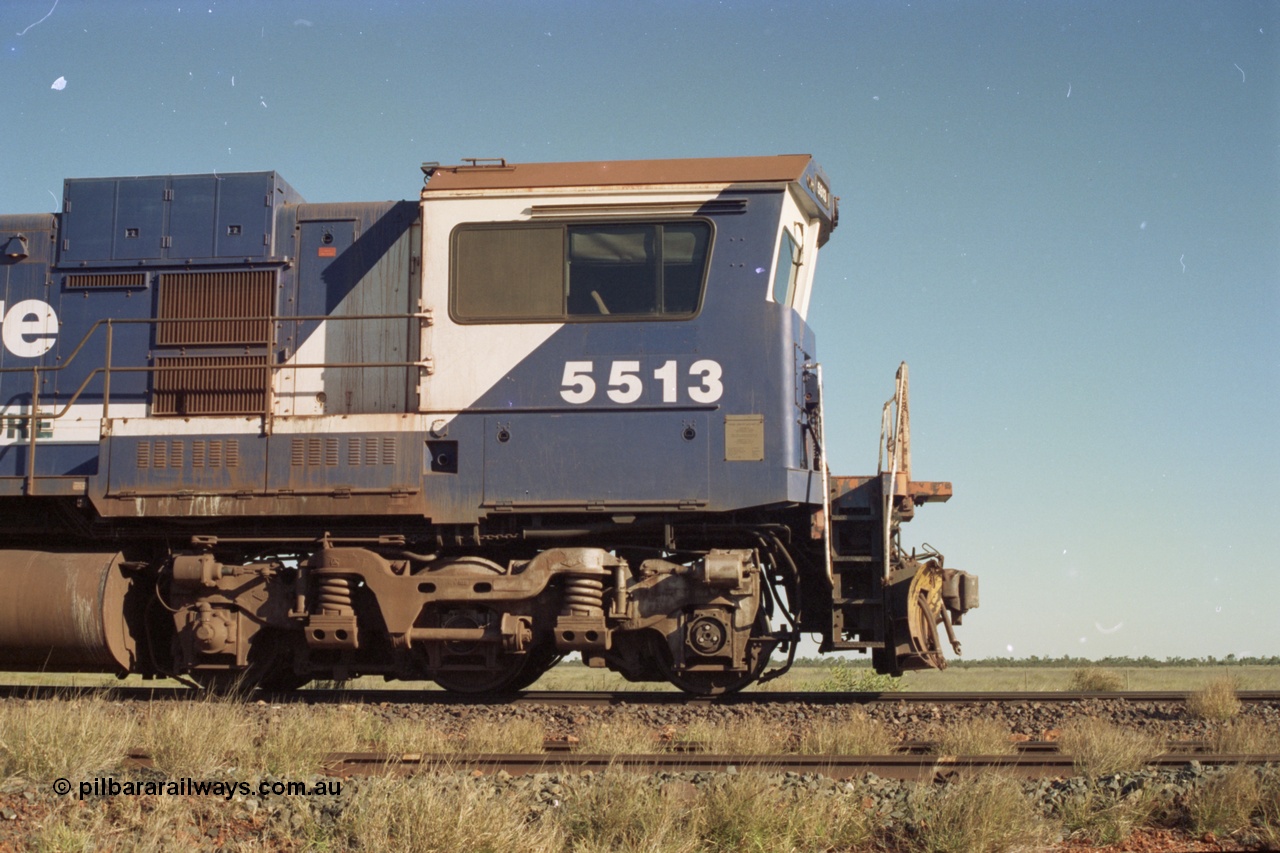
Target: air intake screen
point(106, 279)
point(232, 307)
point(211, 385)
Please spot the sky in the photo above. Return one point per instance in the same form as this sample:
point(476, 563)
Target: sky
point(1063, 215)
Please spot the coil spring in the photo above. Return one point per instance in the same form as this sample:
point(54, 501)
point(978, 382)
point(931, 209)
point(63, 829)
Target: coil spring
point(335, 595)
point(584, 595)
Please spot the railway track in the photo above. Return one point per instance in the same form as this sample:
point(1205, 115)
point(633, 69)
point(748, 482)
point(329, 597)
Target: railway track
point(602, 699)
point(915, 763)
point(918, 768)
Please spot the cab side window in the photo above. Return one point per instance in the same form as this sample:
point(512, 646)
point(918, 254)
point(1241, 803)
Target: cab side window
point(577, 272)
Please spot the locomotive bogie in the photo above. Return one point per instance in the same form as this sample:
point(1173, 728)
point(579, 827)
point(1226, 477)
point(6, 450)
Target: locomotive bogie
point(350, 610)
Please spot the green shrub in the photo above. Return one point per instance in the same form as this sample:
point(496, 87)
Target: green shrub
point(843, 678)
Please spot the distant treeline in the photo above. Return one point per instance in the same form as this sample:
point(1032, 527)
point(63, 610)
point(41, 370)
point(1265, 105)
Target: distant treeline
point(1064, 662)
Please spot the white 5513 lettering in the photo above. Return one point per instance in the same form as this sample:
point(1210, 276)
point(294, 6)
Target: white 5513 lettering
point(627, 381)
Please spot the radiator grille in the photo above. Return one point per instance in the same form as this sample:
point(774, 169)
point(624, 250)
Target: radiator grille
point(234, 307)
point(211, 385)
point(105, 279)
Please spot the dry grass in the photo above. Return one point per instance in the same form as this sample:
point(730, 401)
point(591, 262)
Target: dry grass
point(980, 736)
point(1094, 680)
point(627, 812)
point(738, 737)
point(612, 811)
point(1268, 818)
point(516, 735)
point(981, 814)
point(858, 735)
point(1226, 801)
point(1216, 701)
point(1101, 749)
point(425, 815)
point(195, 738)
point(748, 812)
point(155, 823)
point(78, 737)
point(620, 737)
point(72, 737)
point(297, 738)
point(1246, 736)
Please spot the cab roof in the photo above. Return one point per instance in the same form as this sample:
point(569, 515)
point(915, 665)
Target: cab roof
point(498, 174)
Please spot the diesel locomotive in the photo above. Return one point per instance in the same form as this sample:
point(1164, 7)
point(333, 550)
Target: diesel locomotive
point(543, 409)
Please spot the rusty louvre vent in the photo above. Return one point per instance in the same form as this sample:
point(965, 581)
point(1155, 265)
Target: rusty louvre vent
point(217, 453)
point(232, 308)
point(105, 279)
point(371, 450)
point(159, 454)
point(201, 315)
point(210, 385)
point(313, 452)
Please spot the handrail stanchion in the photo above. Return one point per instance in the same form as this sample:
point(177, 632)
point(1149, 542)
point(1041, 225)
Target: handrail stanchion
point(269, 376)
point(33, 427)
point(106, 381)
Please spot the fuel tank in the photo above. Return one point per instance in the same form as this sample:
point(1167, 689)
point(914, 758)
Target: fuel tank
point(64, 612)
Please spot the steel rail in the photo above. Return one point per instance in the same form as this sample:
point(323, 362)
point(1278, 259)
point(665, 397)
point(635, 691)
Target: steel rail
point(908, 767)
point(414, 696)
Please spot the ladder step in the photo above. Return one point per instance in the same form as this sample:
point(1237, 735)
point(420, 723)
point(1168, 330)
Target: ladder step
point(853, 558)
point(860, 602)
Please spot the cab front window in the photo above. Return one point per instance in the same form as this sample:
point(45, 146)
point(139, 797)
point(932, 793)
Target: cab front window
point(786, 269)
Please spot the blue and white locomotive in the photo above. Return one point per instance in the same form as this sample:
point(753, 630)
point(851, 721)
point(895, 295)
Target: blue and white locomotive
point(544, 409)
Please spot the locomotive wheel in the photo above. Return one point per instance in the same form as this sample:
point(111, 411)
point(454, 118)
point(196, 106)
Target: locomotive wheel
point(232, 682)
point(514, 672)
point(270, 668)
point(716, 683)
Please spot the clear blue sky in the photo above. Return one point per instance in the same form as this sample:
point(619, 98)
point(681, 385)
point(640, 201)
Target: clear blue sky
point(1064, 216)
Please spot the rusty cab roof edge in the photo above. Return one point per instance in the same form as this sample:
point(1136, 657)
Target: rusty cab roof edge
point(498, 174)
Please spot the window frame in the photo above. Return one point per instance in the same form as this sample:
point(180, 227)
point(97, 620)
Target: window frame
point(794, 263)
point(564, 316)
